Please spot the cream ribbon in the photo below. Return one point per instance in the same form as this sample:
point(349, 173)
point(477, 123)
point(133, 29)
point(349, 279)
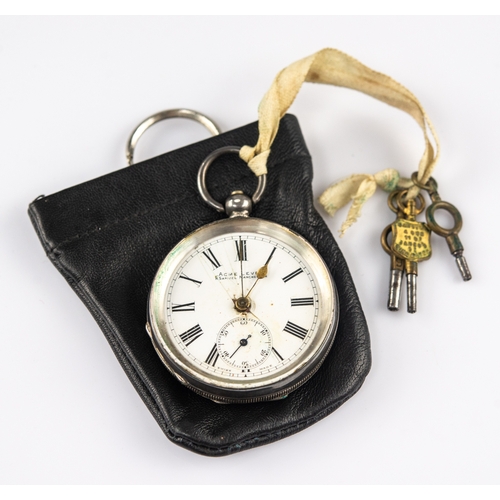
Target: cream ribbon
point(336, 68)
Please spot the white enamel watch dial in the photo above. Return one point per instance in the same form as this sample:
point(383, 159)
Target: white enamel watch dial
point(242, 310)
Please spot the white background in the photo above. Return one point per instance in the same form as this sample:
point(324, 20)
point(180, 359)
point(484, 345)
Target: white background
point(72, 89)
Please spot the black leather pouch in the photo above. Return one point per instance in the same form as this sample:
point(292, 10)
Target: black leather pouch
point(108, 236)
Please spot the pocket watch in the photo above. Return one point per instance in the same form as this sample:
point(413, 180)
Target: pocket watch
point(243, 309)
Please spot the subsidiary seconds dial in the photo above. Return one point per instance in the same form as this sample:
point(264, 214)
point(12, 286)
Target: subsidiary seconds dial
point(244, 343)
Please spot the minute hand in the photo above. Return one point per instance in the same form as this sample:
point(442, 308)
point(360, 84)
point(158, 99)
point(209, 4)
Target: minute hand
point(262, 271)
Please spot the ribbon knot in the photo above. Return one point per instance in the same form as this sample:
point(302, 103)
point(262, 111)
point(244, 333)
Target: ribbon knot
point(358, 188)
point(256, 161)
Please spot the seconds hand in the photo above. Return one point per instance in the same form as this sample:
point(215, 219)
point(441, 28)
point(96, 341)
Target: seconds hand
point(242, 342)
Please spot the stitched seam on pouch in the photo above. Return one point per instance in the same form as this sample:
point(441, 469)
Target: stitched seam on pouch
point(35, 220)
point(143, 389)
point(137, 381)
point(156, 207)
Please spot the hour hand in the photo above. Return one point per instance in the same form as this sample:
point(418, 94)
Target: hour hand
point(262, 272)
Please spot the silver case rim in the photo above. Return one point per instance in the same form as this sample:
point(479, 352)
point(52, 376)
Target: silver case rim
point(214, 386)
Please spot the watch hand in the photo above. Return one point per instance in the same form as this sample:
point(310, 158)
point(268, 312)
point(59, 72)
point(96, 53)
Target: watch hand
point(241, 267)
point(255, 316)
point(242, 342)
point(262, 271)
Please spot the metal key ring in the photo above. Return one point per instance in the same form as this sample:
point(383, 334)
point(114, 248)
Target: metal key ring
point(209, 124)
point(418, 207)
point(383, 239)
point(202, 173)
point(431, 185)
point(398, 207)
point(390, 200)
point(451, 209)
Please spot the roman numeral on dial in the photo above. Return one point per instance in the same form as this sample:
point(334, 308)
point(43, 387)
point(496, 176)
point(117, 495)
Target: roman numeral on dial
point(278, 355)
point(184, 277)
point(213, 356)
point(292, 275)
point(211, 257)
point(183, 307)
point(309, 301)
point(241, 249)
point(295, 330)
point(189, 336)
